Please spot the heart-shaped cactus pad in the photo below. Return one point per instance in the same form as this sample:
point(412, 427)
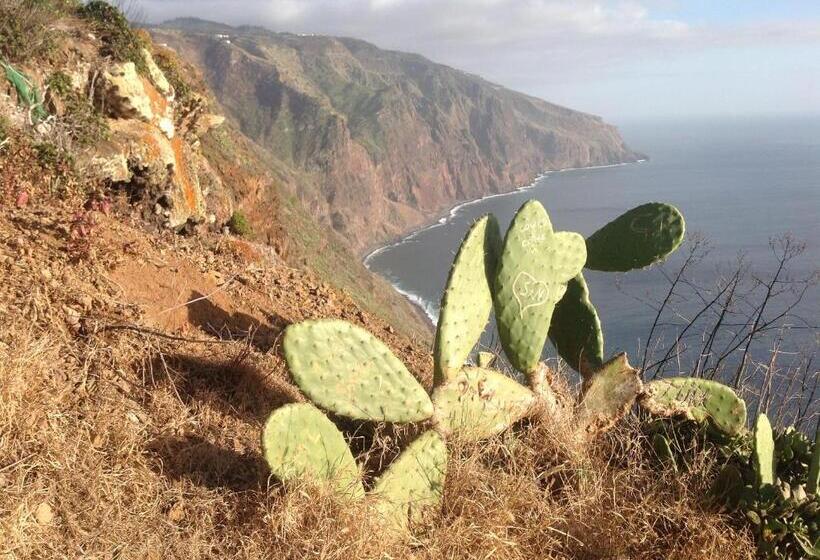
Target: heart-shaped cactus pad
point(536, 264)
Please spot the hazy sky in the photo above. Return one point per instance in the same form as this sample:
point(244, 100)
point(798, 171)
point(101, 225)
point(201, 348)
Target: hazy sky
point(619, 59)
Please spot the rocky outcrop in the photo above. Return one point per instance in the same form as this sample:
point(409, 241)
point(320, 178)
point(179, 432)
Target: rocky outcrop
point(384, 140)
point(152, 149)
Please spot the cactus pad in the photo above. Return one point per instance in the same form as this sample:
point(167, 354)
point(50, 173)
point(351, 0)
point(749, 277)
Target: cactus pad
point(480, 403)
point(640, 237)
point(814, 466)
point(608, 395)
point(298, 441)
point(348, 371)
point(413, 482)
point(535, 266)
point(576, 331)
point(467, 300)
point(697, 399)
point(764, 451)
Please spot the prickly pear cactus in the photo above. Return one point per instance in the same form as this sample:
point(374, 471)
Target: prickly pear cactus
point(608, 395)
point(345, 369)
point(636, 239)
point(479, 403)
point(576, 331)
point(467, 299)
point(813, 483)
point(413, 482)
point(764, 451)
point(697, 399)
point(535, 266)
point(299, 441)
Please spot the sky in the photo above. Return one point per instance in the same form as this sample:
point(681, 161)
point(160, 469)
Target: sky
point(618, 59)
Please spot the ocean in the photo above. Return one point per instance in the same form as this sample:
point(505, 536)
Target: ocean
point(739, 182)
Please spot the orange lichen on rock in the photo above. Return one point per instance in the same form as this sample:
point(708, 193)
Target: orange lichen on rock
point(159, 104)
point(182, 175)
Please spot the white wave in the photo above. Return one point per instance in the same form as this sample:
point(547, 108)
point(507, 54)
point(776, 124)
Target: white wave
point(428, 307)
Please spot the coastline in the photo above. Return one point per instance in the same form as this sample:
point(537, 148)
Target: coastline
point(430, 309)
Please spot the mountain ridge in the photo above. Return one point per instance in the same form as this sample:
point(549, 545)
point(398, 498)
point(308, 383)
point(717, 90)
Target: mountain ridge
point(381, 140)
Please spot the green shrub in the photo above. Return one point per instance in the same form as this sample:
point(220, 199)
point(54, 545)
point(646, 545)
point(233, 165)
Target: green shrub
point(120, 41)
point(169, 65)
point(53, 158)
point(239, 225)
point(766, 488)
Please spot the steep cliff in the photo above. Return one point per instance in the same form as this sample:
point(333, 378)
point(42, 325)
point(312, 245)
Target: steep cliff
point(384, 140)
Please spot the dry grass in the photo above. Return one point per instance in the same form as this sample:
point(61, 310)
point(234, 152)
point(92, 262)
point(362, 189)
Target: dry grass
point(122, 443)
point(139, 460)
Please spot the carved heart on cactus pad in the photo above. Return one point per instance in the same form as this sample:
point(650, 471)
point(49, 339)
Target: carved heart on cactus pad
point(529, 292)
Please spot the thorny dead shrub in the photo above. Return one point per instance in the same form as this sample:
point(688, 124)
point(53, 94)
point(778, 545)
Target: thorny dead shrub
point(76, 123)
point(24, 27)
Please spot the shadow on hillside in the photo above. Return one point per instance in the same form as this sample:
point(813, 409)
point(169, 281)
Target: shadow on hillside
point(231, 385)
point(214, 320)
point(205, 464)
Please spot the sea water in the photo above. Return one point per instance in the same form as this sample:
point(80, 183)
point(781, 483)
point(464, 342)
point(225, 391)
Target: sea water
point(738, 181)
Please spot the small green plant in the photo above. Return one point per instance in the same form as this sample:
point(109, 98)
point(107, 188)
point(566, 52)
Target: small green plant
point(239, 224)
point(120, 42)
point(50, 155)
point(765, 480)
point(4, 130)
point(28, 94)
point(59, 82)
point(772, 489)
point(80, 120)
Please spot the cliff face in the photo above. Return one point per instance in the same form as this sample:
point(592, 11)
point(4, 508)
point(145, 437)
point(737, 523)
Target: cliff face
point(384, 140)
